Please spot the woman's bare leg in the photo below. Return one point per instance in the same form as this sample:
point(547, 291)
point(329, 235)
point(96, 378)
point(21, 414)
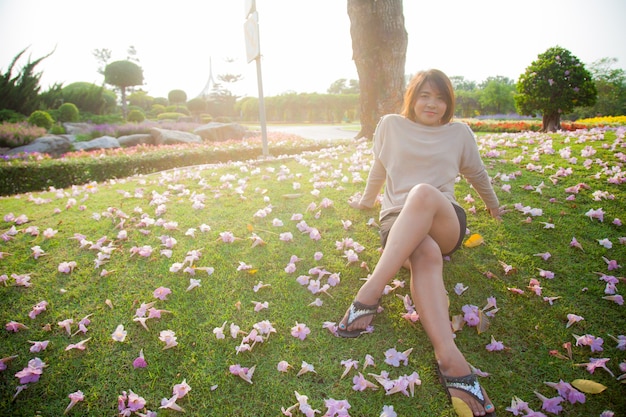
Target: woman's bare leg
point(427, 212)
point(431, 302)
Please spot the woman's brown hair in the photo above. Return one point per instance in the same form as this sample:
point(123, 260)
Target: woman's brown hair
point(438, 80)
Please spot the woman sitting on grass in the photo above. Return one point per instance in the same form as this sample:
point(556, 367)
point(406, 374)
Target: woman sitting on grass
point(418, 155)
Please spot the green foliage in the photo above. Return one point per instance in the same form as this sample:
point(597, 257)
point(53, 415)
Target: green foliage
point(13, 135)
point(53, 97)
point(161, 101)
point(497, 96)
point(68, 112)
point(177, 96)
point(57, 129)
point(177, 109)
point(41, 118)
point(554, 84)
point(90, 98)
point(136, 116)
point(123, 74)
point(611, 85)
point(197, 105)
point(171, 116)
point(141, 99)
point(11, 116)
point(20, 92)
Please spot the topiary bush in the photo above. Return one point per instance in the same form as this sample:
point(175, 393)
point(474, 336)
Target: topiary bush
point(171, 116)
point(41, 118)
point(68, 112)
point(136, 116)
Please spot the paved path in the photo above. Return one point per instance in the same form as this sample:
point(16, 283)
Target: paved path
point(315, 132)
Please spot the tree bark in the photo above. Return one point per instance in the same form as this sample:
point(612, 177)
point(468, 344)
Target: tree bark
point(551, 122)
point(379, 43)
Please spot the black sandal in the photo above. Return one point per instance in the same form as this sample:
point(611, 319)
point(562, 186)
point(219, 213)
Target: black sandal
point(356, 311)
point(468, 384)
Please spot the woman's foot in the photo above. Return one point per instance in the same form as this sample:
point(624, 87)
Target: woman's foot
point(458, 370)
point(356, 320)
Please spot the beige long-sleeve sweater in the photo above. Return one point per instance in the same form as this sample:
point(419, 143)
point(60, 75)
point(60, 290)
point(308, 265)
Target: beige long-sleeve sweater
point(408, 153)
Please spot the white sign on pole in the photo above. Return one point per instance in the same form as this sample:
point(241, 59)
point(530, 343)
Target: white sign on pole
point(249, 7)
point(251, 30)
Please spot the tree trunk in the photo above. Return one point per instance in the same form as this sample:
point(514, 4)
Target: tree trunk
point(551, 122)
point(379, 42)
point(124, 105)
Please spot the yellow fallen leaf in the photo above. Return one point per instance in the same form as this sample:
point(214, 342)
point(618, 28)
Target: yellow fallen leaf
point(461, 408)
point(252, 271)
point(250, 227)
point(483, 322)
point(587, 386)
point(474, 240)
point(457, 323)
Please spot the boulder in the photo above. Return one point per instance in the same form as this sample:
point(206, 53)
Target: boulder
point(219, 132)
point(77, 128)
point(136, 139)
point(52, 145)
point(103, 142)
point(170, 137)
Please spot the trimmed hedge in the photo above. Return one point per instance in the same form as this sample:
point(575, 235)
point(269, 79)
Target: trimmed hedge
point(62, 173)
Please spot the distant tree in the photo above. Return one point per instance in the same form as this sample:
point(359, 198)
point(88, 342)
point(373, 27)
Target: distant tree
point(197, 106)
point(123, 74)
point(611, 85)
point(177, 97)
point(553, 85)
point(141, 99)
point(496, 95)
point(132, 54)
point(466, 103)
point(344, 86)
point(460, 83)
point(103, 56)
point(20, 92)
point(379, 42)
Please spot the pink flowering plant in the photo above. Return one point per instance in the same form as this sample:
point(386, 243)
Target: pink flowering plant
point(217, 289)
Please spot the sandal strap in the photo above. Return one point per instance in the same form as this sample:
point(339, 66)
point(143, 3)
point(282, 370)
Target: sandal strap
point(358, 310)
point(468, 383)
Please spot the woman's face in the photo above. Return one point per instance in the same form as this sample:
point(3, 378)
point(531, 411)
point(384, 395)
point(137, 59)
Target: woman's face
point(430, 106)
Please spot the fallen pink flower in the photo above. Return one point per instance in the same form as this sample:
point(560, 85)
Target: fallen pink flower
point(75, 398)
point(80, 345)
point(171, 404)
point(242, 372)
point(182, 389)
point(305, 368)
point(38, 346)
point(3, 361)
point(119, 335)
point(283, 366)
point(169, 338)
point(595, 363)
point(300, 330)
point(32, 372)
point(140, 361)
point(14, 326)
point(161, 293)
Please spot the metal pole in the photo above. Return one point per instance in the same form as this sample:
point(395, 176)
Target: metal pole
point(261, 106)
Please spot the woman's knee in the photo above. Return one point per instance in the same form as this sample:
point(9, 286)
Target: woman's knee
point(422, 194)
point(428, 252)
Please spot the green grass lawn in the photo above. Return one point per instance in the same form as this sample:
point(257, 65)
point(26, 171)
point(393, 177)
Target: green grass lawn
point(258, 204)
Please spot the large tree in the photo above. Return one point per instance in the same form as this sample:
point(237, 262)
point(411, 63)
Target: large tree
point(553, 85)
point(123, 74)
point(379, 42)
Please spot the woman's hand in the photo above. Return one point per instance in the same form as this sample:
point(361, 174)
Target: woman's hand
point(355, 202)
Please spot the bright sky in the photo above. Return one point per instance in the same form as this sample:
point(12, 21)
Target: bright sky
point(305, 45)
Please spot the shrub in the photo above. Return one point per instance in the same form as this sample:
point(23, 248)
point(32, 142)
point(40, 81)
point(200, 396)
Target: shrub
point(90, 98)
point(68, 112)
point(177, 109)
point(136, 116)
point(13, 135)
point(41, 118)
point(11, 116)
point(206, 118)
point(223, 119)
point(171, 116)
point(57, 129)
